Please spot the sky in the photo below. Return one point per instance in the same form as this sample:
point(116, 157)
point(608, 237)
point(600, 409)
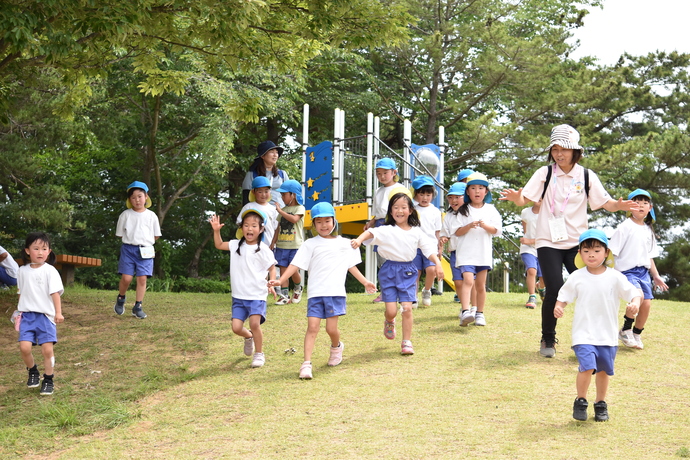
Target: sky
point(634, 26)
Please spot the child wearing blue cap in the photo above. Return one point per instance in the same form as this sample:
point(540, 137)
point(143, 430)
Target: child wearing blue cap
point(597, 290)
point(259, 199)
point(139, 229)
point(290, 237)
point(451, 224)
point(430, 222)
point(634, 246)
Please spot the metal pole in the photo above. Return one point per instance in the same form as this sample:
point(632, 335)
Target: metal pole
point(336, 156)
point(407, 140)
point(442, 149)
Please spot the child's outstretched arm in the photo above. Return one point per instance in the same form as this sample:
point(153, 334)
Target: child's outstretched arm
point(214, 220)
point(633, 307)
point(271, 277)
point(363, 237)
point(656, 279)
point(57, 303)
point(284, 275)
point(368, 285)
point(559, 309)
point(439, 268)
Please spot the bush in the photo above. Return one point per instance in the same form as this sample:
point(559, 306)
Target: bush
point(182, 284)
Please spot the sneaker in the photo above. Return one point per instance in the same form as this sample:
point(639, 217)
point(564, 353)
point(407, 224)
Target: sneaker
point(406, 348)
point(47, 386)
point(455, 298)
point(580, 409)
point(297, 294)
point(542, 293)
point(435, 291)
point(137, 311)
point(627, 338)
point(119, 305)
point(249, 346)
point(305, 371)
point(415, 304)
point(389, 329)
point(377, 299)
point(638, 341)
point(34, 377)
point(259, 360)
point(282, 300)
point(548, 348)
point(601, 411)
point(479, 319)
point(426, 297)
point(336, 355)
point(466, 318)
point(531, 302)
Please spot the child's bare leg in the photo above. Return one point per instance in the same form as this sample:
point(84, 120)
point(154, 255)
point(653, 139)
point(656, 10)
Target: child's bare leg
point(391, 311)
point(430, 276)
point(125, 281)
point(25, 351)
point(582, 383)
point(239, 329)
point(333, 331)
point(531, 280)
point(313, 326)
point(285, 284)
point(602, 380)
point(473, 298)
point(480, 288)
point(466, 290)
point(407, 320)
point(257, 333)
point(48, 357)
point(643, 313)
point(141, 288)
point(296, 278)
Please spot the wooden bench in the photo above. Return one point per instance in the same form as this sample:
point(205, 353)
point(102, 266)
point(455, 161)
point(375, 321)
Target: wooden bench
point(66, 264)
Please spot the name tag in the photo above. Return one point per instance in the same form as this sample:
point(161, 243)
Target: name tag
point(147, 252)
point(558, 230)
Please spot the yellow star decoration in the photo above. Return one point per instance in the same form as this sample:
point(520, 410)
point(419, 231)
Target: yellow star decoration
point(310, 183)
point(311, 156)
point(315, 196)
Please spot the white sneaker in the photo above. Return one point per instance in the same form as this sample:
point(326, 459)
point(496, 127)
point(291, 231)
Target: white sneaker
point(466, 318)
point(638, 341)
point(336, 356)
point(479, 319)
point(249, 346)
point(296, 294)
point(282, 300)
point(259, 360)
point(627, 338)
point(426, 297)
point(305, 371)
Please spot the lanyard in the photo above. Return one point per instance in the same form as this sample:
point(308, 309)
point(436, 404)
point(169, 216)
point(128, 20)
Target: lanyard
point(567, 197)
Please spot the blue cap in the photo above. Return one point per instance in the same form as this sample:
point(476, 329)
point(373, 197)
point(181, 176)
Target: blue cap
point(594, 233)
point(478, 179)
point(421, 181)
point(261, 181)
point(457, 188)
point(464, 174)
point(323, 209)
point(292, 186)
point(641, 192)
point(385, 163)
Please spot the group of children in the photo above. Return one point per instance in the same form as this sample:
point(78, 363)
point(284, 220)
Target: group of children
point(408, 236)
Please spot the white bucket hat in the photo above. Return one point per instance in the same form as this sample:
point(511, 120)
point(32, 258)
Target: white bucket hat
point(566, 136)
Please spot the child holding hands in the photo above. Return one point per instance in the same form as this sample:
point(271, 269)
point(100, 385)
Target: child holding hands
point(290, 236)
point(430, 222)
point(249, 265)
point(597, 290)
point(328, 258)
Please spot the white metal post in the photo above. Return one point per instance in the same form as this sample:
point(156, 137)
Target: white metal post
point(442, 149)
point(341, 160)
point(336, 156)
point(370, 263)
point(407, 140)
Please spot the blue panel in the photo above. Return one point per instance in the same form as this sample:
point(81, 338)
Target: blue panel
point(319, 174)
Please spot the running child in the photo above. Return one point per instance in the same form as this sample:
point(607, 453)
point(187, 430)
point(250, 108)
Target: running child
point(259, 198)
point(528, 254)
point(40, 288)
point(430, 221)
point(451, 224)
point(290, 237)
point(634, 247)
point(479, 222)
point(251, 261)
point(398, 240)
point(328, 258)
point(597, 290)
point(139, 229)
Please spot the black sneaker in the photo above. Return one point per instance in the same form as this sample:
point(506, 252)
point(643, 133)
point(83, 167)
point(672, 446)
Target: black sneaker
point(34, 377)
point(119, 305)
point(137, 311)
point(435, 291)
point(47, 387)
point(601, 412)
point(547, 347)
point(580, 409)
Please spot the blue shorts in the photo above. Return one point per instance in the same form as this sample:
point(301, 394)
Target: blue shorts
point(131, 262)
point(243, 309)
point(597, 357)
point(457, 274)
point(421, 262)
point(36, 328)
point(398, 281)
point(326, 307)
point(284, 256)
point(639, 277)
point(474, 269)
point(531, 261)
point(7, 279)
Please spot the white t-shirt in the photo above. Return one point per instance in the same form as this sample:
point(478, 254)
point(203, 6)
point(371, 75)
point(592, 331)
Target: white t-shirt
point(9, 263)
point(36, 286)
point(429, 219)
point(249, 270)
point(327, 260)
point(633, 245)
point(381, 200)
point(530, 219)
point(401, 245)
point(276, 182)
point(595, 321)
point(474, 247)
point(271, 214)
point(138, 228)
point(451, 224)
point(562, 186)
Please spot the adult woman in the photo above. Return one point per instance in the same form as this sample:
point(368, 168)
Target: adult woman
point(566, 188)
point(267, 154)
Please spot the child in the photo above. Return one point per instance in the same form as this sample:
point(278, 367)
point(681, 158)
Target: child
point(451, 224)
point(139, 229)
point(40, 288)
point(597, 290)
point(328, 258)
point(387, 175)
point(528, 253)
point(8, 269)
point(479, 222)
point(290, 237)
point(249, 265)
point(634, 246)
point(259, 198)
point(464, 174)
point(430, 221)
point(398, 240)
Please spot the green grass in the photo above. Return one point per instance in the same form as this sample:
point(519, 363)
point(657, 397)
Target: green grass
point(177, 385)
